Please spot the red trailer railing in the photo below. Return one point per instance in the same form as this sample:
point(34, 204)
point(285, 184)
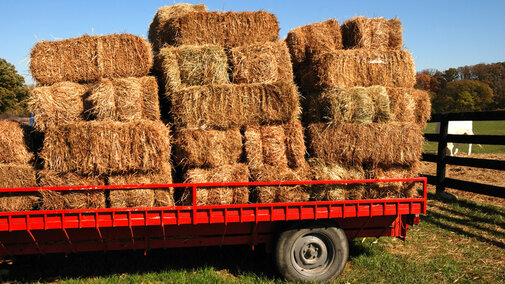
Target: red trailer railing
point(78, 230)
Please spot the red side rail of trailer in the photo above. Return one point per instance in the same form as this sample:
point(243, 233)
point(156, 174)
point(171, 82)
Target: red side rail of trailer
point(79, 230)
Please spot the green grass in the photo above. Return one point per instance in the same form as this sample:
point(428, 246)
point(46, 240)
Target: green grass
point(457, 242)
point(479, 127)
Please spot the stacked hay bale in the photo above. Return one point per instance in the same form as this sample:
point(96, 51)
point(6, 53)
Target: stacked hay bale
point(16, 166)
point(228, 81)
point(99, 112)
point(364, 117)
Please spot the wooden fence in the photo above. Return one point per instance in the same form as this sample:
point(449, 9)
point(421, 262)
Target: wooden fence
point(442, 159)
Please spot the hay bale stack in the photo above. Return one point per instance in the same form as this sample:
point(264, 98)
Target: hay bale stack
point(361, 68)
point(15, 143)
point(377, 144)
point(372, 33)
point(304, 42)
point(84, 199)
point(157, 26)
point(207, 148)
point(105, 147)
point(410, 105)
point(218, 195)
point(229, 29)
point(192, 65)
point(261, 63)
point(277, 153)
point(324, 171)
point(90, 58)
point(124, 99)
point(234, 105)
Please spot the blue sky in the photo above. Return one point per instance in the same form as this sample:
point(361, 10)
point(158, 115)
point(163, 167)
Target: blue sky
point(440, 34)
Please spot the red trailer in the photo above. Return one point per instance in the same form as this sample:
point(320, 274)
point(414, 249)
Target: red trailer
point(310, 239)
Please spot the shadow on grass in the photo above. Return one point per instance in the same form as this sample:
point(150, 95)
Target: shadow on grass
point(237, 260)
point(48, 268)
point(468, 221)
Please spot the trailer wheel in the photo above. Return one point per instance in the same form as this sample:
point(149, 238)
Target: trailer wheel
point(312, 254)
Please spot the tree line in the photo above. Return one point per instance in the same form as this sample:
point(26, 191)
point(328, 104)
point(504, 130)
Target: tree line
point(13, 91)
point(478, 87)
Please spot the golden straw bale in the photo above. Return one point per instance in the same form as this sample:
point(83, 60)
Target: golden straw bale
point(261, 63)
point(58, 104)
point(392, 189)
point(228, 29)
point(270, 194)
point(155, 34)
point(356, 104)
point(125, 99)
point(143, 197)
point(16, 142)
point(204, 148)
point(228, 106)
point(327, 192)
point(402, 105)
point(423, 107)
point(192, 65)
point(275, 145)
point(307, 40)
point(17, 175)
point(83, 199)
point(105, 147)
point(372, 33)
point(361, 68)
point(218, 195)
point(89, 58)
point(376, 144)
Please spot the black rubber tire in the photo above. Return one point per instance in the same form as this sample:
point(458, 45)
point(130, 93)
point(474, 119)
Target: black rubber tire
point(291, 253)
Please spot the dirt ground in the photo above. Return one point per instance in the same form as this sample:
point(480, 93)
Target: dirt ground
point(493, 177)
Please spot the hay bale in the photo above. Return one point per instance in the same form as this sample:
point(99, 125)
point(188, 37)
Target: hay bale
point(17, 175)
point(361, 68)
point(423, 107)
point(392, 189)
point(16, 142)
point(375, 144)
point(207, 148)
point(191, 65)
point(275, 145)
point(155, 34)
point(89, 58)
point(357, 104)
point(84, 199)
point(228, 106)
point(124, 99)
point(106, 147)
point(410, 105)
point(218, 195)
point(328, 192)
point(372, 33)
point(142, 197)
point(270, 194)
point(58, 104)
point(227, 29)
point(304, 42)
point(261, 63)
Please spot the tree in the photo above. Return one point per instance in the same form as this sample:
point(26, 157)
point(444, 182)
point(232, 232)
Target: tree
point(463, 95)
point(13, 92)
point(425, 82)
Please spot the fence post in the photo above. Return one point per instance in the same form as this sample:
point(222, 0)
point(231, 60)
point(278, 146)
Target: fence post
point(441, 154)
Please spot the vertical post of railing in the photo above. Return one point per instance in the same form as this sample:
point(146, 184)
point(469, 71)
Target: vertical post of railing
point(441, 154)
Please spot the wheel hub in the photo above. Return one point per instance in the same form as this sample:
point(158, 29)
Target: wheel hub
point(311, 254)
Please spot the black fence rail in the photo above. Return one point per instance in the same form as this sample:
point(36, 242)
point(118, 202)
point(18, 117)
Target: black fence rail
point(441, 158)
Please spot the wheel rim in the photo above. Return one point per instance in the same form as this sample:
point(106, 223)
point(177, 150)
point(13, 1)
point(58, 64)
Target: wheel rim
point(312, 254)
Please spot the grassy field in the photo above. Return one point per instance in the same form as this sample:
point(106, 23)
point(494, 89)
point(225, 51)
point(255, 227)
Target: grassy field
point(458, 242)
point(479, 127)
